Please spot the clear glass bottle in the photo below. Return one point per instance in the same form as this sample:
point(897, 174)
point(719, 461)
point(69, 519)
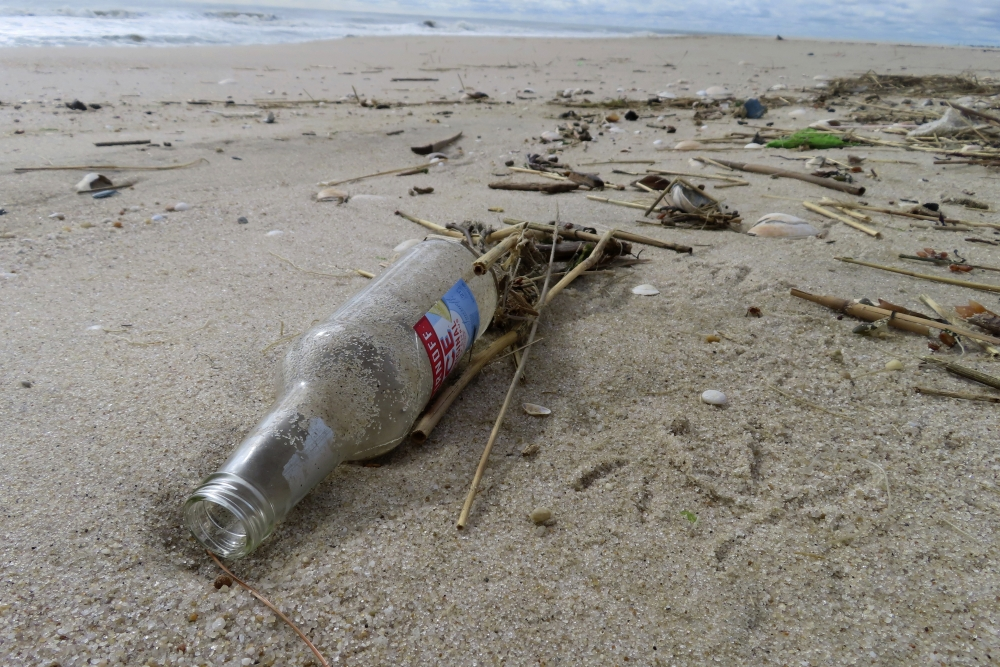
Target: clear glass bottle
point(352, 388)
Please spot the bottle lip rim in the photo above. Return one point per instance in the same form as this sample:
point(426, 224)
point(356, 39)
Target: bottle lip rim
point(242, 500)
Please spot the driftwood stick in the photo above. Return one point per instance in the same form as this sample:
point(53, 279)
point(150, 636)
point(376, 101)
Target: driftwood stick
point(484, 459)
point(430, 419)
point(847, 221)
point(709, 177)
point(578, 235)
point(483, 264)
point(436, 228)
point(970, 373)
point(957, 394)
point(782, 173)
point(436, 146)
point(925, 276)
point(897, 320)
point(907, 214)
point(547, 188)
point(134, 142)
point(536, 172)
point(592, 259)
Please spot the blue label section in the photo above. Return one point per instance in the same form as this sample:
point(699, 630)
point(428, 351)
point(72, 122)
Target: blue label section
point(449, 329)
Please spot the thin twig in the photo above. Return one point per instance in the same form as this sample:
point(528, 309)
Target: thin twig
point(315, 273)
point(254, 592)
point(107, 167)
point(957, 394)
point(381, 173)
point(809, 403)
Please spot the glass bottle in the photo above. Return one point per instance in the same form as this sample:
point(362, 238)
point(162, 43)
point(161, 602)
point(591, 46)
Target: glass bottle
point(352, 388)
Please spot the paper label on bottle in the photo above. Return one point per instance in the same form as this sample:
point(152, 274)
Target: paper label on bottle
point(448, 329)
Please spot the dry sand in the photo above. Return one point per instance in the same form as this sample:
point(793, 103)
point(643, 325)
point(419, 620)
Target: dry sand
point(866, 538)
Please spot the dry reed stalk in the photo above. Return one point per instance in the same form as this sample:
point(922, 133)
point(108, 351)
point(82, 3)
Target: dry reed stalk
point(484, 459)
point(847, 221)
point(580, 235)
point(957, 394)
point(324, 184)
point(483, 264)
point(585, 265)
point(970, 373)
point(896, 320)
point(108, 167)
point(433, 226)
point(938, 279)
point(437, 410)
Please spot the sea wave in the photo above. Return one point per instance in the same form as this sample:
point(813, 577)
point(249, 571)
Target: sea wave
point(51, 23)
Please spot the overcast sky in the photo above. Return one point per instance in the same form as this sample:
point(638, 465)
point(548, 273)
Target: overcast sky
point(950, 21)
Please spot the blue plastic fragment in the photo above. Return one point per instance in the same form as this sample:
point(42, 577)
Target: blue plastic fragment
point(754, 108)
point(105, 194)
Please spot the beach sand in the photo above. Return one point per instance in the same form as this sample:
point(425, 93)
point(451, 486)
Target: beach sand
point(856, 528)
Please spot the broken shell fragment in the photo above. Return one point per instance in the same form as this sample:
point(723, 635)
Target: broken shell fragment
point(688, 145)
point(536, 410)
point(782, 225)
point(645, 290)
point(179, 206)
point(93, 182)
point(332, 194)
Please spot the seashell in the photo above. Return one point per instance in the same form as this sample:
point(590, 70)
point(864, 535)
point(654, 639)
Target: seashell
point(816, 162)
point(779, 86)
point(406, 245)
point(666, 95)
point(332, 194)
point(158, 218)
point(894, 365)
point(822, 77)
point(226, 82)
point(268, 118)
point(797, 112)
point(549, 135)
point(274, 232)
point(179, 206)
point(92, 181)
point(718, 92)
point(58, 216)
point(753, 145)
point(688, 199)
point(660, 145)
point(781, 225)
point(697, 164)
point(536, 410)
point(645, 290)
point(714, 397)
point(540, 515)
point(688, 145)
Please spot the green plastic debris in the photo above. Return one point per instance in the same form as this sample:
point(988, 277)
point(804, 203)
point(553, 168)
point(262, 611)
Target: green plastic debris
point(811, 138)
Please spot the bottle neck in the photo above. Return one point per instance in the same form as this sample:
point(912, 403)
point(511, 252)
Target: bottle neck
point(285, 456)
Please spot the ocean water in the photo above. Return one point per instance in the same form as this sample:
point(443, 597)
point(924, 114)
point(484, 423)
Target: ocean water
point(108, 23)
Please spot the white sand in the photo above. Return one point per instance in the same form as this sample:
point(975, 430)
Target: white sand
point(819, 539)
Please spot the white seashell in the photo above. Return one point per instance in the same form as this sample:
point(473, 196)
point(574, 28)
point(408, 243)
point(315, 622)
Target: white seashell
point(549, 135)
point(696, 164)
point(779, 86)
point(332, 194)
point(753, 145)
point(822, 77)
point(688, 145)
point(645, 290)
point(781, 225)
point(816, 162)
point(158, 218)
point(894, 365)
point(58, 216)
point(718, 92)
point(713, 397)
point(666, 95)
point(91, 181)
point(406, 245)
point(226, 82)
point(797, 112)
point(536, 410)
point(660, 145)
point(180, 206)
point(702, 93)
point(274, 232)
point(691, 201)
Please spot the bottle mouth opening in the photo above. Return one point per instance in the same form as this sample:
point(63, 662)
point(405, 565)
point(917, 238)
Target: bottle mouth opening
point(227, 516)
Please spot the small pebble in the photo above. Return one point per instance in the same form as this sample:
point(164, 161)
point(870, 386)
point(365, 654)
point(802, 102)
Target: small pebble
point(223, 580)
point(713, 397)
point(530, 450)
point(26, 384)
point(158, 218)
point(894, 365)
point(179, 206)
point(242, 220)
point(540, 515)
point(192, 618)
point(712, 338)
point(838, 356)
